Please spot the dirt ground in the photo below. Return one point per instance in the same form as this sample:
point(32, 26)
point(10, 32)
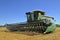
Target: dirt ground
point(6, 35)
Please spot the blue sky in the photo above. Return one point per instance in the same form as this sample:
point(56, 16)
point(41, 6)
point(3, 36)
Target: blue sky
point(13, 11)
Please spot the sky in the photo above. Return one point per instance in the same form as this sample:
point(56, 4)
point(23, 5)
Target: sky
point(13, 11)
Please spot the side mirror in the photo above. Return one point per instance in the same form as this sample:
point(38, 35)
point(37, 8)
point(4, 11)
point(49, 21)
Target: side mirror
point(52, 18)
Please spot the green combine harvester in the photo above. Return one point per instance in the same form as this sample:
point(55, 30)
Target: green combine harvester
point(36, 21)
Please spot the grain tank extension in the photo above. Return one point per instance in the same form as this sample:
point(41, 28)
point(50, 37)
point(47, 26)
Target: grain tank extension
point(36, 21)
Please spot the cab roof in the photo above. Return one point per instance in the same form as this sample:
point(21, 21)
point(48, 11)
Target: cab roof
point(36, 11)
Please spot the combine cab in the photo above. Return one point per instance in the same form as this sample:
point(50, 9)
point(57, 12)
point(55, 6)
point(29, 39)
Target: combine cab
point(36, 21)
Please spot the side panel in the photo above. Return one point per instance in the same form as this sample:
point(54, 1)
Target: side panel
point(50, 28)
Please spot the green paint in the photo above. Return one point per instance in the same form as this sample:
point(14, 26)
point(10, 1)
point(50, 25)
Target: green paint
point(50, 28)
point(38, 16)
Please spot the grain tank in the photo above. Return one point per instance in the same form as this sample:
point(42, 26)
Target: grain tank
point(36, 21)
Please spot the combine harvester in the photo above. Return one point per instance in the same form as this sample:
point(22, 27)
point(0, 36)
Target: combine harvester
point(36, 21)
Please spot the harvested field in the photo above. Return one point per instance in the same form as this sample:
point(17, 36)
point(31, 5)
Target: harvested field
point(6, 35)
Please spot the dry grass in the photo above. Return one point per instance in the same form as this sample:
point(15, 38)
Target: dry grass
point(6, 35)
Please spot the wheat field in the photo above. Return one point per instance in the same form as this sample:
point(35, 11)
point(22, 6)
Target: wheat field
point(6, 35)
